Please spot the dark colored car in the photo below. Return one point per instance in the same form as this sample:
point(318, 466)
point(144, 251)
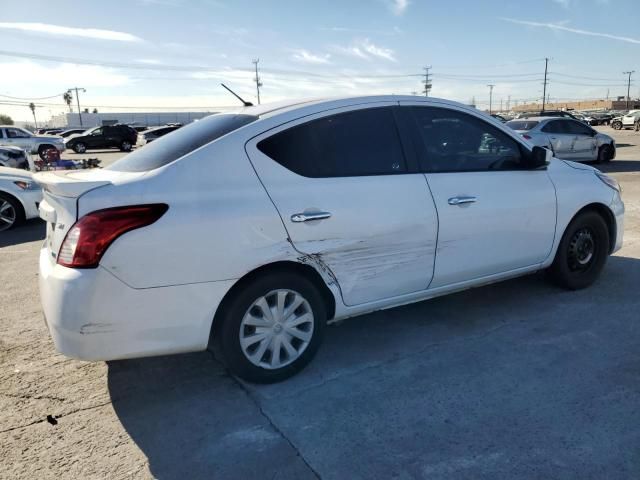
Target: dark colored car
point(108, 136)
point(13, 157)
point(156, 132)
point(548, 113)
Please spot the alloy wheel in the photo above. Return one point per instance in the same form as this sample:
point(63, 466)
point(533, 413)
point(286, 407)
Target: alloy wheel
point(8, 215)
point(276, 329)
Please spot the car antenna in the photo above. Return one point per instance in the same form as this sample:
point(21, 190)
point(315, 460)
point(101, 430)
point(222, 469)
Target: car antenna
point(246, 104)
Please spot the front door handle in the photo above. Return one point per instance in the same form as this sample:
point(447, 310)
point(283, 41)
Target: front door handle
point(307, 217)
point(461, 200)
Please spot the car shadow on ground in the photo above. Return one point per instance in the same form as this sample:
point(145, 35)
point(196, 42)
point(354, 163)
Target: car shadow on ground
point(30, 231)
point(619, 166)
point(446, 379)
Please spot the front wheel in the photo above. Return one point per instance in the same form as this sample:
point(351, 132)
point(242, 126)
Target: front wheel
point(272, 328)
point(79, 147)
point(11, 213)
point(604, 154)
point(582, 252)
point(616, 125)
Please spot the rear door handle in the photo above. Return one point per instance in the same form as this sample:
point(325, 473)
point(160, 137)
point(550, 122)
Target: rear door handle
point(461, 200)
point(307, 217)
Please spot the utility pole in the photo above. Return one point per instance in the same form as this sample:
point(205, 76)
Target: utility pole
point(628, 85)
point(427, 81)
point(544, 85)
point(509, 103)
point(500, 103)
point(490, 97)
point(257, 79)
point(78, 101)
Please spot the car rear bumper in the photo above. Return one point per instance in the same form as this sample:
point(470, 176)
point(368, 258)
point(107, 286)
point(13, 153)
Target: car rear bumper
point(92, 315)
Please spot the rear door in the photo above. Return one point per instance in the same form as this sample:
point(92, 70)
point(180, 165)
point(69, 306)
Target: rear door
point(561, 138)
point(351, 200)
point(585, 145)
point(494, 216)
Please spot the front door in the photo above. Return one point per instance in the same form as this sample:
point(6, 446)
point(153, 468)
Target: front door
point(18, 138)
point(585, 145)
point(562, 139)
point(96, 138)
point(494, 216)
point(350, 201)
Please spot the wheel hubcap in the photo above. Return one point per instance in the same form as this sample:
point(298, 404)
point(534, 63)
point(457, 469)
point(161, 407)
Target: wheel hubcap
point(581, 249)
point(276, 329)
point(7, 215)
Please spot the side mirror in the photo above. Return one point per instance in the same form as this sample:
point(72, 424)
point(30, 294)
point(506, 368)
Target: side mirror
point(539, 157)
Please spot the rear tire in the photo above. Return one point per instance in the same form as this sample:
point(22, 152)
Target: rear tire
point(255, 310)
point(582, 252)
point(11, 212)
point(42, 149)
point(125, 146)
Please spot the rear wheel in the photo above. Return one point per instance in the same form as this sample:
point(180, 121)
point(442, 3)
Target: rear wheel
point(125, 146)
point(582, 252)
point(79, 147)
point(272, 328)
point(11, 213)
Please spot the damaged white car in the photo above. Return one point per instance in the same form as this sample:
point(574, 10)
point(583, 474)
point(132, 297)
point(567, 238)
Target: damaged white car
point(253, 229)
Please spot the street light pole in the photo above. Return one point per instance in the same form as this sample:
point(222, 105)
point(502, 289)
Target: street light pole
point(490, 97)
point(78, 101)
point(628, 85)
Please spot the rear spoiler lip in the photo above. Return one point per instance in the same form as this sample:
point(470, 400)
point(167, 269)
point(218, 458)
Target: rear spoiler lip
point(59, 184)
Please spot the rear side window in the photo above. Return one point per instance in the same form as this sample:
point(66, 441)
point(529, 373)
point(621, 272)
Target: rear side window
point(166, 149)
point(454, 141)
point(521, 124)
point(358, 143)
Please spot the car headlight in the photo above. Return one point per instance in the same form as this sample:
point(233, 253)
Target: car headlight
point(27, 185)
point(609, 181)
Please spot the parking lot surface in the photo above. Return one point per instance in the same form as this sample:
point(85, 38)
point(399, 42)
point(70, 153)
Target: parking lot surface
point(515, 380)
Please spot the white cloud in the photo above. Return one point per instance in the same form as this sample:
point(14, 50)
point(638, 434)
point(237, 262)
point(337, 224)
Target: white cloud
point(398, 7)
point(149, 61)
point(305, 56)
point(562, 28)
point(60, 76)
point(71, 31)
point(366, 50)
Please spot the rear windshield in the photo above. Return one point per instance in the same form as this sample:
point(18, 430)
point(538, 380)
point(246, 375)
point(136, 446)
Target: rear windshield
point(166, 149)
point(521, 124)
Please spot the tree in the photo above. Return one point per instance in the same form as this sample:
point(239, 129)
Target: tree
point(95, 110)
point(66, 96)
point(5, 119)
point(32, 107)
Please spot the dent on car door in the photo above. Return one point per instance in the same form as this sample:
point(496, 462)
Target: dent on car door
point(561, 139)
point(350, 201)
point(585, 145)
point(494, 216)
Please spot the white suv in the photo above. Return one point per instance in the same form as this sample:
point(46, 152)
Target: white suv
point(630, 120)
point(255, 228)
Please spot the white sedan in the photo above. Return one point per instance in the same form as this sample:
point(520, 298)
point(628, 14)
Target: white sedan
point(19, 197)
point(568, 139)
point(253, 229)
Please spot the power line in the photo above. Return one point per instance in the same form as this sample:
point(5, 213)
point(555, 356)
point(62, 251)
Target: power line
point(33, 98)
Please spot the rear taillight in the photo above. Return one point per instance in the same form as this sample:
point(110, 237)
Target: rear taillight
point(90, 237)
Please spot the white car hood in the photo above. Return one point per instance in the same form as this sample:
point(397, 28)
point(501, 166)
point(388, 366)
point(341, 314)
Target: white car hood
point(580, 166)
point(7, 173)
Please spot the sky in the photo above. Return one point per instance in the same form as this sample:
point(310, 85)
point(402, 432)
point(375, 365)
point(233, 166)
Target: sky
point(166, 55)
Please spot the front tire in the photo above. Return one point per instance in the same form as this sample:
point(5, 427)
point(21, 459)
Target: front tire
point(604, 154)
point(616, 125)
point(42, 150)
point(272, 328)
point(79, 147)
point(582, 252)
point(11, 213)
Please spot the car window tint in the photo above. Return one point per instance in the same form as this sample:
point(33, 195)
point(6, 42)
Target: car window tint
point(16, 133)
point(453, 141)
point(556, 126)
point(521, 124)
point(358, 143)
point(578, 128)
point(168, 148)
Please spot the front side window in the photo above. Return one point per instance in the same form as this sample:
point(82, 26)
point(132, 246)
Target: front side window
point(357, 143)
point(578, 128)
point(453, 141)
point(16, 133)
point(556, 126)
point(97, 131)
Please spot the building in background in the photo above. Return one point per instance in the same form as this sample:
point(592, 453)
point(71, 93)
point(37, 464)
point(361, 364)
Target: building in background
point(620, 104)
point(143, 119)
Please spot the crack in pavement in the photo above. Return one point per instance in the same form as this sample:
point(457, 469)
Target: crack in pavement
point(56, 417)
point(256, 402)
point(33, 397)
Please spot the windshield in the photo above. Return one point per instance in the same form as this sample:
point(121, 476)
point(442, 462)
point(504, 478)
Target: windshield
point(168, 148)
point(521, 124)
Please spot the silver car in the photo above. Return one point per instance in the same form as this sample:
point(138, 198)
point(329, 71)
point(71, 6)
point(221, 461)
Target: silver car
point(21, 138)
point(568, 139)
